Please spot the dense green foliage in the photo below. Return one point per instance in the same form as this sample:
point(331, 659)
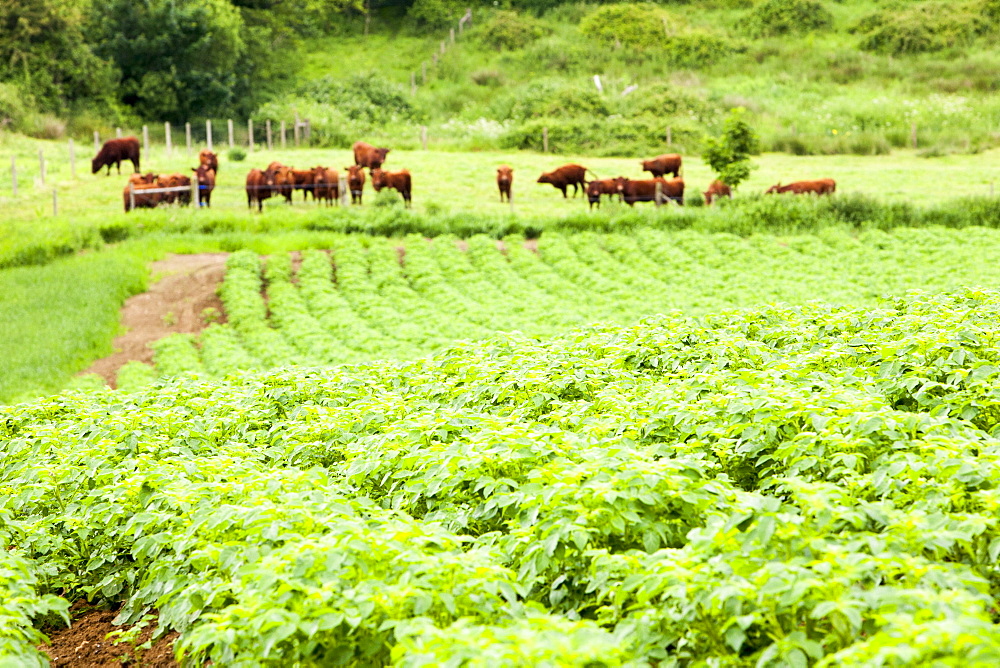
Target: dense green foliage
point(781, 17)
point(729, 154)
point(773, 487)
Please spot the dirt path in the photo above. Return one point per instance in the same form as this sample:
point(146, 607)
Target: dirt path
point(173, 304)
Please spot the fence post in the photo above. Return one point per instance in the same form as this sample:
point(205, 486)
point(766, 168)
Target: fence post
point(229, 122)
point(413, 83)
point(41, 166)
point(72, 160)
point(195, 193)
point(510, 197)
point(118, 132)
point(308, 127)
point(434, 57)
point(913, 135)
point(545, 140)
point(343, 189)
point(208, 133)
point(443, 47)
point(670, 136)
point(451, 34)
point(187, 135)
point(282, 134)
point(295, 131)
point(166, 133)
point(659, 192)
point(423, 73)
point(423, 136)
point(13, 174)
point(131, 196)
point(55, 202)
point(268, 123)
point(250, 134)
point(97, 141)
point(145, 139)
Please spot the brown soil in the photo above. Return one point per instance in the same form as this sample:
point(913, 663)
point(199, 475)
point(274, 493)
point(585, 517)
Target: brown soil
point(174, 304)
point(85, 645)
point(532, 245)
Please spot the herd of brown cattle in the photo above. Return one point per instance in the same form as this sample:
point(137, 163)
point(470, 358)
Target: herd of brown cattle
point(150, 190)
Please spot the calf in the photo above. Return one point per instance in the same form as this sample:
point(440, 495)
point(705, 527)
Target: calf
point(209, 159)
point(113, 152)
point(818, 186)
point(505, 177)
point(260, 186)
point(135, 192)
point(206, 184)
point(355, 182)
point(366, 155)
point(716, 190)
point(304, 180)
point(600, 187)
point(645, 191)
point(399, 180)
point(284, 181)
point(565, 176)
point(326, 185)
point(668, 163)
point(176, 181)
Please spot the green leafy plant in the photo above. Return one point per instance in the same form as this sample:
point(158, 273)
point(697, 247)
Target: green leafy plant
point(729, 154)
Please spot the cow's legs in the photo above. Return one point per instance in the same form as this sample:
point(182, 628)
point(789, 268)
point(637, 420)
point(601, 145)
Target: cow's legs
point(563, 189)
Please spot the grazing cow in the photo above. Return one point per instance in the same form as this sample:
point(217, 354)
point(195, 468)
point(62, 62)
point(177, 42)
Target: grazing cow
point(716, 190)
point(113, 152)
point(135, 191)
point(600, 187)
point(260, 186)
point(304, 180)
point(819, 186)
point(176, 181)
point(327, 185)
point(399, 180)
point(284, 181)
point(645, 191)
point(668, 163)
point(366, 155)
point(565, 176)
point(211, 160)
point(505, 177)
point(355, 182)
point(206, 184)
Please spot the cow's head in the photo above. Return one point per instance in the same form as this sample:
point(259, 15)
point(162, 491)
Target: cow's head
point(319, 176)
point(204, 174)
point(381, 154)
point(545, 178)
point(95, 166)
point(773, 189)
point(378, 179)
point(355, 176)
point(505, 173)
point(620, 183)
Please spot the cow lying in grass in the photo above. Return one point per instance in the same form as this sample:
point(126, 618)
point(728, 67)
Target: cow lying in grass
point(818, 186)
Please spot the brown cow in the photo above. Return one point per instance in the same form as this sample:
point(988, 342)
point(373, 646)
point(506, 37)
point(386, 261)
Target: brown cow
point(304, 180)
point(355, 182)
point(260, 186)
point(327, 185)
point(284, 181)
point(818, 186)
point(176, 181)
point(668, 163)
point(600, 187)
point(206, 184)
point(366, 155)
point(211, 160)
point(135, 191)
point(399, 180)
point(505, 177)
point(716, 190)
point(645, 190)
point(565, 176)
point(113, 152)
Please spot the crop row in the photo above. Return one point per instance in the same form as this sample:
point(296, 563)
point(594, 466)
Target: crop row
point(373, 298)
point(784, 486)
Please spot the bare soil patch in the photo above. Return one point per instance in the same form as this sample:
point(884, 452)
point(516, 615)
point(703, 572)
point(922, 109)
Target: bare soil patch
point(85, 645)
point(174, 304)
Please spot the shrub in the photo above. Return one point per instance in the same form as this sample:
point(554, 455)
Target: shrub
point(665, 100)
point(509, 30)
point(368, 95)
point(14, 106)
point(237, 154)
point(436, 13)
point(920, 28)
point(729, 154)
point(637, 25)
point(490, 78)
point(551, 100)
point(782, 17)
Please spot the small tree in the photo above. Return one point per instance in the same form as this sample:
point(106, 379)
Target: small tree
point(729, 154)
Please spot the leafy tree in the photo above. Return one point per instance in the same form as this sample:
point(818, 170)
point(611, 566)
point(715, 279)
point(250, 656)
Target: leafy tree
point(729, 154)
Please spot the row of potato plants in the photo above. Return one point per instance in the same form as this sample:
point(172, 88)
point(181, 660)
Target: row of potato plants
point(783, 486)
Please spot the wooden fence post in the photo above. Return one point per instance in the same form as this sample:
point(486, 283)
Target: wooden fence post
point(451, 34)
point(295, 131)
point(510, 197)
point(670, 136)
point(145, 139)
point(169, 139)
point(282, 134)
point(13, 174)
point(413, 83)
point(308, 129)
point(659, 192)
point(195, 193)
point(250, 134)
point(545, 140)
point(423, 73)
point(118, 132)
point(41, 166)
point(208, 133)
point(444, 45)
point(913, 135)
point(97, 141)
point(55, 202)
point(268, 123)
point(434, 57)
point(72, 160)
point(131, 196)
point(423, 136)
point(187, 135)
point(343, 189)
point(229, 122)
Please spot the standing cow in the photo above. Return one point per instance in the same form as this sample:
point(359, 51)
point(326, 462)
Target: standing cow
point(645, 190)
point(355, 183)
point(209, 159)
point(284, 181)
point(326, 183)
point(260, 186)
point(668, 163)
point(399, 180)
point(565, 176)
point(206, 184)
point(505, 177)
point(716, 190)
point(366, 155)
point(114, 152)
point(304, 180)
point(599, 187)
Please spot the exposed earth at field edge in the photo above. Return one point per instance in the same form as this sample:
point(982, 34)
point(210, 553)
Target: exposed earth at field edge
point(174, 304)
point(85, 645)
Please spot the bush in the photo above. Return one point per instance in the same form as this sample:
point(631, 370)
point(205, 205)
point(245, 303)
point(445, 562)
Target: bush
point(551, 100)
point(237, 154)
point(509, 30)
point(436, 13)
point(661, 100)
point(14, 107)
point(772, 18)
point(627, 24)
point(920, 28)
point(369, 96)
